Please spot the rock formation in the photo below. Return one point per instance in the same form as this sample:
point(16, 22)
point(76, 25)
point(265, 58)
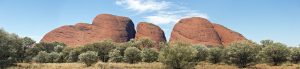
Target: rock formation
point(104, 26)
point(119, 29)
point(151, 31)
point(198, 30)
point(226, 35)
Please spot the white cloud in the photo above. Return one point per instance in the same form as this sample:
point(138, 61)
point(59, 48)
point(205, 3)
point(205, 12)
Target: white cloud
point(163, 12)
point(161, 19)
point(172, 17)
point(143, 5)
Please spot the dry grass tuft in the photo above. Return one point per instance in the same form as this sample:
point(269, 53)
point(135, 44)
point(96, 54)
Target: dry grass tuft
point(156, 65)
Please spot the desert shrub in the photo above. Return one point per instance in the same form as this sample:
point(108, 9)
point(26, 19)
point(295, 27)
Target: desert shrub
point(12, 48)
point(132, 55)
point(27, 43)
point(131, 43)
point(295, 55)
point(5, 54)
point(115, 56)
point(102, 48)
point(54, 57)
point(145, 43)
point(241, 54)
point(149, 55)
point(41, 57)
point(275, 53)
point(65, 54)
point(48, 47)
point(178, 56)
point(201, 54)
point(162, 45)
point(59, 48)
point(89, 57)
point(122, 47)
point(215, 55)
point(72, 56)
point(266, 42)
point(27, 49)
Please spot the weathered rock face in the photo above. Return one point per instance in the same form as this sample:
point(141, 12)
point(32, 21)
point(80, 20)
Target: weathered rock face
point(226, 35)
point(198, 30)
point(195, 30)
point(151, 31)
point(104, 26)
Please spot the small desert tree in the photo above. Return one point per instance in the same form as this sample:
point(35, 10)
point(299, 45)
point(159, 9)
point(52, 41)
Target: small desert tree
point(11, 48)
point(266, 42)
point(41, 57)
point(121, 48)
point(275, 53)
point(215, 55)
point(201, 54)
point(53, 57)
point(145, 43)
point(89, 57)
point(115, 56)
point(132, 55)
point(149, 55)
point(295, 55)
point(241, 54)
point(59, 48)
point(72, 56)
point(178, 56)
point(48, 47)
point(102, 48)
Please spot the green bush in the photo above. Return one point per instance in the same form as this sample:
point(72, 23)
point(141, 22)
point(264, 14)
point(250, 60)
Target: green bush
point(201, 54)
point(48, 47)
point(266, 42)
point(132, 55)
point(122, 47)
point(162, 45)
point(295, 55)
point(41, 57)
point(131, 43)
point(275, 53)
point(5, 54)
point(178, 56)
point(65, 54)
point(12, 48)
point(27, 43)
point(115, 56)
point(241, 54)
point(145, 43)
point(215, 55)
point(73, 55)
point(59, 48)
point(149, 55)
point(89, 57)
point(54, 57)
point(102, 48)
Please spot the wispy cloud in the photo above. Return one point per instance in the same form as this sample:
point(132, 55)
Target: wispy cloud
point(162, 11)
point(143, 5)
point(171, 17)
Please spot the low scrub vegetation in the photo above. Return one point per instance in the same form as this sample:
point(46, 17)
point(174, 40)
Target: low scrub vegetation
point(275, 53)
point(215, 55)
point(241, 54)
point(149, 55)
point(178, 55)
point(132, 55)
point(89, 57)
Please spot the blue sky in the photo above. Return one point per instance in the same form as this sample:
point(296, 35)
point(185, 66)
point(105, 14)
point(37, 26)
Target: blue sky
point(278, 20)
